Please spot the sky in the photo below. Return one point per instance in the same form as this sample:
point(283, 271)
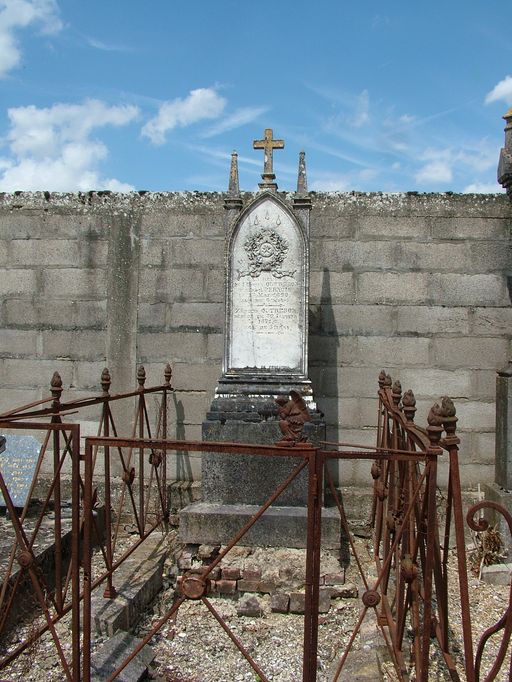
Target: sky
point(126, 95)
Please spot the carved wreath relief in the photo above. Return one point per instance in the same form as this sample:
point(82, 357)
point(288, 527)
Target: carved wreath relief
point(266, 252)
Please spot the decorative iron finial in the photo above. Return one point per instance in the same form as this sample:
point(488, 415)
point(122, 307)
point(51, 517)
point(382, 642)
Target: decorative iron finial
point(56, 386)
point(302, 181)
point(105, 380)
point(384, 379)
point(409, 405)
point(268, 144)
point(141, 377)
point(448, 412)
point(505, 162)
point(435, 421)
point(396, 392)
point(168, 373)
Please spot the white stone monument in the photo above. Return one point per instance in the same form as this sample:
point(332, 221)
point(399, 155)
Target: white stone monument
point(265, 358)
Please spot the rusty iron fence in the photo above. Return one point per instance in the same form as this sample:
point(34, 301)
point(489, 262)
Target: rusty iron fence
point(411, 524)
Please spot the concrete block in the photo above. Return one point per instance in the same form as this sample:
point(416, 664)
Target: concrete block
point(332, 225)
point(35, 252)
point(468, 290)
point(171, 347)
point(152, 252)
point(433, 383)
point(4, 253)
point(432, 320)
point(477, 353)
point(393, 227)
point(76, 282)
point(197, 377)
point(17, 282)
point(25, 373)
point(357, 319)
point(198, 315)
point(484, 383)
point(332, 350)
point(467, 228)
point(93, 252)
point(491, 321)
point(340, 256)
point(335, 287)
point(392, 287)
point(11, 398)
point(394, 352)
point(489, 256)
point(435, 256)
point(215, 346)
point(88, 375)
point(163, 224)
point(215, 285)
point(197, 252)
point(75, 345)
point(114, 652)
point(348, 382)
point(167, 286)
point(152, 316)
point(476, 416)
point(18, 342)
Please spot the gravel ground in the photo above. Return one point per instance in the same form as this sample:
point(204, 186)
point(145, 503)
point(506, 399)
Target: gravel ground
point(193, 647)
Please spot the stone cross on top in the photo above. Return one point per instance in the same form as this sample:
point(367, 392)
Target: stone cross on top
point(268, 145)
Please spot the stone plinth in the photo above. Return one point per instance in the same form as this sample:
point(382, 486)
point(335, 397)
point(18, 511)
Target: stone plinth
point(214, 523)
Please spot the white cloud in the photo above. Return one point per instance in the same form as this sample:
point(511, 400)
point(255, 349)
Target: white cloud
point(19, 14)
point(482, 188)
point(434, 172)
point(203, 103)
point(501, 91)
point(238, 118)
point(52, 148)
point(471, 158)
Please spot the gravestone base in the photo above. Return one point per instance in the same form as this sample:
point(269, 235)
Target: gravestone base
point(213, 523)
point(235, 486)
point(503, 497)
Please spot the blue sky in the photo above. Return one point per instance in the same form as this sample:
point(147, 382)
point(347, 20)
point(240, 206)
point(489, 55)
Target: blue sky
point(123, 95)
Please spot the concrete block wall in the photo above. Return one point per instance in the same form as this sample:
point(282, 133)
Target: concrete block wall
point(416, 284)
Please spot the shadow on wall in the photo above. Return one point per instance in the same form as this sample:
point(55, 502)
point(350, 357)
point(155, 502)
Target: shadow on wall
point(323, 356)
point(183, 466)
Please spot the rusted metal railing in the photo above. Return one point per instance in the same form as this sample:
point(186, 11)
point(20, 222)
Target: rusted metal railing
point(408, 598)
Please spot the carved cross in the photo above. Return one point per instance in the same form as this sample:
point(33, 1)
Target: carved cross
point(268, 145)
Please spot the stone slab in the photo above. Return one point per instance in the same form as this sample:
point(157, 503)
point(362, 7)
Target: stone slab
point(266, 320)
point(114, 652)
point(216, 523)
point(497, 574)
point(137, 582)
point(18, 463)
